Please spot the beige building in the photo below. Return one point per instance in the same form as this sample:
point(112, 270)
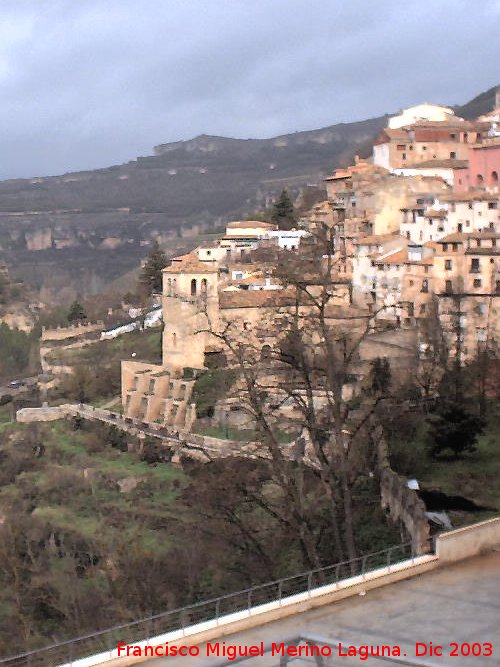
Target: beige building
point(467, 283)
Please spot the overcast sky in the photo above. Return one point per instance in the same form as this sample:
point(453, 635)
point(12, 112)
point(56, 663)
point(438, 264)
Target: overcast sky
point(89, 83)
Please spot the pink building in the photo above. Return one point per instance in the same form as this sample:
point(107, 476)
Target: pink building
point(483, 169)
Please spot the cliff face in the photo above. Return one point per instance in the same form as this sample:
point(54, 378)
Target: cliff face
point(101, 221)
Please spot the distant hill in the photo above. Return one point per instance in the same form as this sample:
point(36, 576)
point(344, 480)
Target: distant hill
point(94, 225)
point(479, 105)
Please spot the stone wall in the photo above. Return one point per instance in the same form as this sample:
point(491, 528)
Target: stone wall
point(61, 333)
point(402, 503)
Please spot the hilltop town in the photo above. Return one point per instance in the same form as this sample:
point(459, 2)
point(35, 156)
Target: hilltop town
point(404, 250)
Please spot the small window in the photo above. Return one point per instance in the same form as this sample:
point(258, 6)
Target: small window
point(448, 287)
point(448, 264)
point(477, 282)
point(425, 286)
point(411, 309)
point(424, 148)
point(401, 147)
point(404, 156)
point(453, 155)
point(474, 265)
point(492, 204)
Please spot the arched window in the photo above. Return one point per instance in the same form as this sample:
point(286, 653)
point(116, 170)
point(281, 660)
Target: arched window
point(193, 287)
point(479, 179)
point(494, 176)
point(203, 286)
point(174, 287)
point(169, 287)
point(174, 340)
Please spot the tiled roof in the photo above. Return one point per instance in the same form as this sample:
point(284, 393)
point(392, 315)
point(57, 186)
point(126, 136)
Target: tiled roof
point(436, 214)
point(189, 264)
point(257, 299)
point(249, 224)
point(461, 237)
point(376, 239)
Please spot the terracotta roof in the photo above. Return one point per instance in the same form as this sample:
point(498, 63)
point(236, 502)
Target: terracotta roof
point(376, 239)
point(456, 237)
point(461, 237)
point(398, 257)
point(483, 251)
point(189, 264)
point(436, 214)
point(249, 224)
point(256, 299)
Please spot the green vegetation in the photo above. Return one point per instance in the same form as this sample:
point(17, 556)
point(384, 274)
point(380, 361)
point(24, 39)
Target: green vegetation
point(16, 349)
point(283, 211)
point(76, 313)
point(210, 387)
point(473, 475)
point(150, 279)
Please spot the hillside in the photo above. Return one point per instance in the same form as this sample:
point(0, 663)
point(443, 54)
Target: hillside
point(88, 228)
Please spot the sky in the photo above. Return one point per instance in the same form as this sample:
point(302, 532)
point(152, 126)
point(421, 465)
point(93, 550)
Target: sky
point(91, 83)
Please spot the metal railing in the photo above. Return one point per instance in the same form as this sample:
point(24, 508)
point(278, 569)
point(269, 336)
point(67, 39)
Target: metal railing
point(209, 610)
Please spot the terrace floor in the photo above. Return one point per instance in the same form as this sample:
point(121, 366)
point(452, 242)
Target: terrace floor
point(459, 603)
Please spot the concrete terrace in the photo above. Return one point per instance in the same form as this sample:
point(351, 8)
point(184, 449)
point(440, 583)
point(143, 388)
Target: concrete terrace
point(460, 603)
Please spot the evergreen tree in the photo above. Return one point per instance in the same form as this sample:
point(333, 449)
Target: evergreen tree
point(76, 312)
point(151, 277)
point(283, 211)
point(454, 429)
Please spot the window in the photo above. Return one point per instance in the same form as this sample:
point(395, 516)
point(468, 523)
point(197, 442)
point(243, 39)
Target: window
point(497, 286)
point(492, 205)
point(448, 287)
point(411, 309)
point(404, 156)
point(193, 287)
point(477, 282)
point(470, 205)
point(474, 265)
point(411, 283)
point(494, 176)
point(445, 247)
point(425, 286)
point(453, 155)
point(422, 309)
point(424, 148)
point(479, 179)
point(448, 264)
point(460, 227)
point(401, 147)
point(204, 287)
point(467, 223)
point(209, 252)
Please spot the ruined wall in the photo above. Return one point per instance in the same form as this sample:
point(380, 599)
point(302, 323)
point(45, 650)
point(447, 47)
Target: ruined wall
point(61, 333)
point(402, 503)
